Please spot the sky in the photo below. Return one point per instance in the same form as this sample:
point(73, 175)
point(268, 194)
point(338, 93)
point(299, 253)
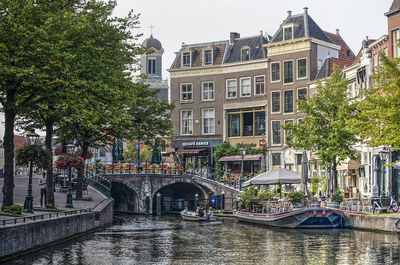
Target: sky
point(190, 21)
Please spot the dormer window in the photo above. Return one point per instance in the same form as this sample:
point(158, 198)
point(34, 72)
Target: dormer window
point(186, 59)
point(245, 54)
point(287, 33)
point(207, 57)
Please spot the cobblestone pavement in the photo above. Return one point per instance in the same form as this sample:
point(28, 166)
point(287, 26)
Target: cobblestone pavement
point(20, 191)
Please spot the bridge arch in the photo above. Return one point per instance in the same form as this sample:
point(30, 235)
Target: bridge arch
point(126, 198)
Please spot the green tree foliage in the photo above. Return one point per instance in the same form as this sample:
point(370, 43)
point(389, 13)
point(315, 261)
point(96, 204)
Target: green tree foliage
point(325, 129)
point(130, 153)
point(378, 114)
point(248, 196)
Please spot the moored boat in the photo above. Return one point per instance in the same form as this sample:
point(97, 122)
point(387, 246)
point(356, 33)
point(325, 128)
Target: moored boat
point(320, 218)
point(397, 226)
point(191, 216)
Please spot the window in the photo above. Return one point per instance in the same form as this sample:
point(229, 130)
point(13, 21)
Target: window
point(287, 33)
point(301, 94)
point(288, 72)
point(207, 57)
point(288, 101)
point(259, 85)
point(245, 54)
point(186, 61)
point(288, 132)
point(276, 132)
point(234, 125)
point(275, 72)
point(186, 122)
point(231, 88)
point(259, 120)
point(301, 68)
point(245, 87)
point(208, 121)
point(395, 40)
point(276, 101)
point(276, 159)
point(186, 93)
point(207, 93)
point(151, 66)
point(248, 124)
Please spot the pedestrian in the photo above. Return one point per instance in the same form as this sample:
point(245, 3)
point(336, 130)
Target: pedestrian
point(42, 184)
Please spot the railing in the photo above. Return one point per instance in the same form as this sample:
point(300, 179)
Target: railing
point(40, 217)
point(99, 183)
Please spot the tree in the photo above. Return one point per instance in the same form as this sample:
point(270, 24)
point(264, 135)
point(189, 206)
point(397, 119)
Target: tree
point(27, 44)
point(325, 129)
point(378, 114)
point(130, 153)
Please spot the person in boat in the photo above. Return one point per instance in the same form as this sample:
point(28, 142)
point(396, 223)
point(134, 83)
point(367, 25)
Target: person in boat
point(210, 213)
point(185, 211)
point(200, 211)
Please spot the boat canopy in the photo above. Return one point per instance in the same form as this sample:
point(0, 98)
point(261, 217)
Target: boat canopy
point(276, 176)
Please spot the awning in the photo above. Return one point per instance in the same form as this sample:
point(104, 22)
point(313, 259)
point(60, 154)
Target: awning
point(349, 164)
point(276, 176)
point(190, 151)
point(239, 158)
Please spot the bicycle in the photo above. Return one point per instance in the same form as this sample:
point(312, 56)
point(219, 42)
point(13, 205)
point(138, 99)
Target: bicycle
point(385, 202)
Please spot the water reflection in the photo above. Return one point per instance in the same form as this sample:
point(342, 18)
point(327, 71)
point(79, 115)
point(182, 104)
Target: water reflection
point(169, 240)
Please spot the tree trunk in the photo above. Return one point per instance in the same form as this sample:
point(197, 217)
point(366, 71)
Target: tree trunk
point(49, 178)
point(335, 177)
point(8, 187)
point(81, 172)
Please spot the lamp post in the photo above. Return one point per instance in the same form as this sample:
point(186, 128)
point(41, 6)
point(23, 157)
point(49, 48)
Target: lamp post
point(242, 153)
point(32, 138)
point(70, 151)
point(384, 156)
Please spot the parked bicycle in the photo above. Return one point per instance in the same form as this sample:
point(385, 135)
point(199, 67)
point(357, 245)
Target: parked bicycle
point(388, 203)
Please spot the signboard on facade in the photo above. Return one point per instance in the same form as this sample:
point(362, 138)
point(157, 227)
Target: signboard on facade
point(196, 143)
point(261, 142)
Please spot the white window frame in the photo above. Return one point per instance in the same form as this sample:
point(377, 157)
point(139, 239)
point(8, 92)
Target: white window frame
point(297, 69)
point(202, 90)
point(180, 93)
point(204, 57)
point(284, 131)
point(255, 86)
point(283, 32)
point(241, 53)
point(395, 46)
point(280, 102)
point(241, 88)
point(190, 59)
point(280, 72)
point(293, 101)
point(202, 121)
point(283, 72)
point(181, 123)
point(272, 132)
point(227, 90)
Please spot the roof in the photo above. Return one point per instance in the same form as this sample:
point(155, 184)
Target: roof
point(365, 44)
point(394, 8)
point(18, 142)
point(345, 52)
point(152, 43)
point(327, 67)
point(276, 176)
point(306, 27)
point(257, 51)
point(239, 158)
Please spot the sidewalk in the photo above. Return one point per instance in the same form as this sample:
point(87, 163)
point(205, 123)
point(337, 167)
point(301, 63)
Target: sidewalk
point(20, 191)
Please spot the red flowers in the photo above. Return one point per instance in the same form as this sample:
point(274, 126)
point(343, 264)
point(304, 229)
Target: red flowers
point(64, 161)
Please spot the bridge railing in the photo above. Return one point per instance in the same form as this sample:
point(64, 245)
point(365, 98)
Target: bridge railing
point(99, 183)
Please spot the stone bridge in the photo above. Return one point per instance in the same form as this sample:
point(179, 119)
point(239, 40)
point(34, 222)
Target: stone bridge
point(137, 193)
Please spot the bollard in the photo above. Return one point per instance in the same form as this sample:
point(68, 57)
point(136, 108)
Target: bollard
point(158, 204)
point(196, 201)
point(222, 206)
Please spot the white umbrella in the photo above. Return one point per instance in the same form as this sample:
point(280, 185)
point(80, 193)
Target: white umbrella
point(276, 176)
point(304, 172)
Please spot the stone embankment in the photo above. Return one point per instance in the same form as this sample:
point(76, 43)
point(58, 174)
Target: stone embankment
point(371, 222)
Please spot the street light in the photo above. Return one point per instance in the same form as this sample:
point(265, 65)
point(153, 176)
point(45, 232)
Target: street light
point(242, 153)
point(70, 150)
point(384, 156)
point(32, 138)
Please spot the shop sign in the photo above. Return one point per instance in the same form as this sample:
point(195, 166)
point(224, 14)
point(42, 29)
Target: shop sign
point(195, 143)
point(261, 142)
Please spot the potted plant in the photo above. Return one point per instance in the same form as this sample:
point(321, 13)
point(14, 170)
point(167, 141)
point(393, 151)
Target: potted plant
point(296, 198)
point(336, 199)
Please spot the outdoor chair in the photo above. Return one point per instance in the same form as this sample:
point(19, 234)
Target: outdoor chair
point(366, 205)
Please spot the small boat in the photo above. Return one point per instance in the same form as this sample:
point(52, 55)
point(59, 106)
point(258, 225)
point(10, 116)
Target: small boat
point(193, 217)
point(397, 226)
point(321, 218)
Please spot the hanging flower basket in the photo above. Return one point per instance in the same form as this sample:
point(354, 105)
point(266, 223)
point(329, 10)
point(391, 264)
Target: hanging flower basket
point(65, 161)
point(36, 154)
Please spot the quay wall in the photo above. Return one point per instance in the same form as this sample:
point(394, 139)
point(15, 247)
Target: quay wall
point(370, 222)
point(23, 237)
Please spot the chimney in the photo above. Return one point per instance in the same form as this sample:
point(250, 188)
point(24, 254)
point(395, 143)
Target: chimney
point(233, 36)
point(289, 13)
point(305, 10)
point(337, 32)
point(261, 33)
point(366, 38)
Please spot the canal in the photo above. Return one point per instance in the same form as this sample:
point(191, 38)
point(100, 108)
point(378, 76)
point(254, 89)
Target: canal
point(169, 240)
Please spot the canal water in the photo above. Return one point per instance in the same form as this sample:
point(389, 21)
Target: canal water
point(170, 240)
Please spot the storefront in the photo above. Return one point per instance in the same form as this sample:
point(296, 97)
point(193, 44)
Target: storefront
point(251, 164)
point(198, 152)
